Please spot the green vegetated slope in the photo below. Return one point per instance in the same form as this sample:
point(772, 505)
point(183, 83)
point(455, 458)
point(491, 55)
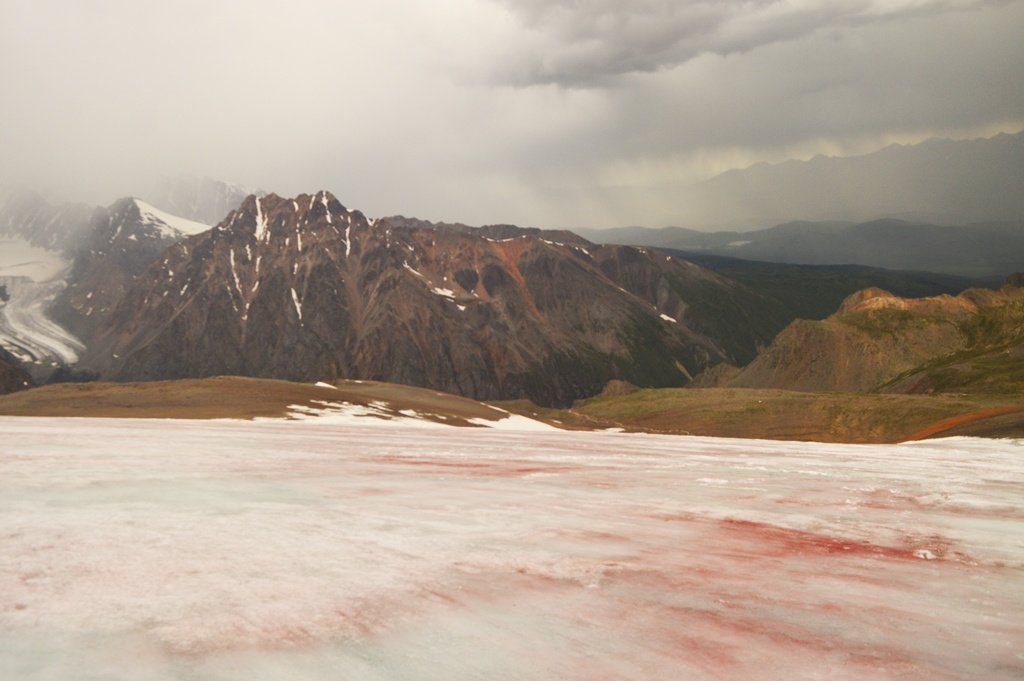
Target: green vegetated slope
point(880, 342)
point(765, 414)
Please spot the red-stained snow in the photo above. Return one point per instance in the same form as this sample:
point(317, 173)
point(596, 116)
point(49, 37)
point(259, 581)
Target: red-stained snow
point(316, 550)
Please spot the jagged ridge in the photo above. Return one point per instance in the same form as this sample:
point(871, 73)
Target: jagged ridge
point(304, 289)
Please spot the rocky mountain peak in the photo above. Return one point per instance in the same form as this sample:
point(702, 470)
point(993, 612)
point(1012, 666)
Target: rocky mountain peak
point(305, 289)
point(304, 219)
point(1015, 280)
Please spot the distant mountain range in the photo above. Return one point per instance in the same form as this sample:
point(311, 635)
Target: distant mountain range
point(939, 181)
point(988, 251)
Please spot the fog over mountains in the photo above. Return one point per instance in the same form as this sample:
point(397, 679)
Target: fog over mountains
point(939, 181)
point(955, 207)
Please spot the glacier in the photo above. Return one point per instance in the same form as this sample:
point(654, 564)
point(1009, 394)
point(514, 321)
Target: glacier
point(328, 549)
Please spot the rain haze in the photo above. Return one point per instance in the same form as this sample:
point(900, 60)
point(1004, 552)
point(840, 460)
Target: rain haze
point(554, 114)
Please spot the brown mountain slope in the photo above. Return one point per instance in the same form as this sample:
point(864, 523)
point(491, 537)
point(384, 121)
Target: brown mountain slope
point(973, 342)
point(304, 289)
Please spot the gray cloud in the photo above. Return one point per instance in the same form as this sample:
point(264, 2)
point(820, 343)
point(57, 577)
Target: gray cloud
point(589, 42)
point(553, 114)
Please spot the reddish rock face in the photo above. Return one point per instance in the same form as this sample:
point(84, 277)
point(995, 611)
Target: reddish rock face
point(304, 289)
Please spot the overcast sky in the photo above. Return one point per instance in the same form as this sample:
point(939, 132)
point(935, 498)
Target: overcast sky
point(547, 113)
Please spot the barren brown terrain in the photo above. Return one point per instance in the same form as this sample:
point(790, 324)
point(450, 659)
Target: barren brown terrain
point(235, 398)
point(715, 412)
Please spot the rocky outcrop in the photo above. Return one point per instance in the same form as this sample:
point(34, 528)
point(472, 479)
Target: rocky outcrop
point(12, 376)
point(1015, 280)
point(877, 341)
point(304, 289)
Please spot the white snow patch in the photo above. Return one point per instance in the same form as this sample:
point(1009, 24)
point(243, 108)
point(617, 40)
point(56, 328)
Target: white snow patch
point(513, 422)
point(234, 272)
point(327, 208)
point(667, 318)
point(261, 222)
point(171, 225)
point(446, 292)
point(298, 305)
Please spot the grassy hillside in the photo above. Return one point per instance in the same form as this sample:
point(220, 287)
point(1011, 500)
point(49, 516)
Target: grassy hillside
point(787, 415)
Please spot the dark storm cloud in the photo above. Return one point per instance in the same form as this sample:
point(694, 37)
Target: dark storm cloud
point(588, 42)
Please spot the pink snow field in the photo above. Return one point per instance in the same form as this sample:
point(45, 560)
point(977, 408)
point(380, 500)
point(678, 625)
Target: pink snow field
point(346, 549)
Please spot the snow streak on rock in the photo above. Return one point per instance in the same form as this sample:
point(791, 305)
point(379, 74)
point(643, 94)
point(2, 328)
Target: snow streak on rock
point(261, 222)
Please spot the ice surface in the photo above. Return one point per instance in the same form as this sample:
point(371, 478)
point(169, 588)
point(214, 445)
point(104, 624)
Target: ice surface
point(32, 277)
point(27, 331)
point(158, 550)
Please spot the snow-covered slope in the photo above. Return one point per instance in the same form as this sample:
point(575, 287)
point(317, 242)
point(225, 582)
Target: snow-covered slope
point(170, 225)
point(137, 549)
